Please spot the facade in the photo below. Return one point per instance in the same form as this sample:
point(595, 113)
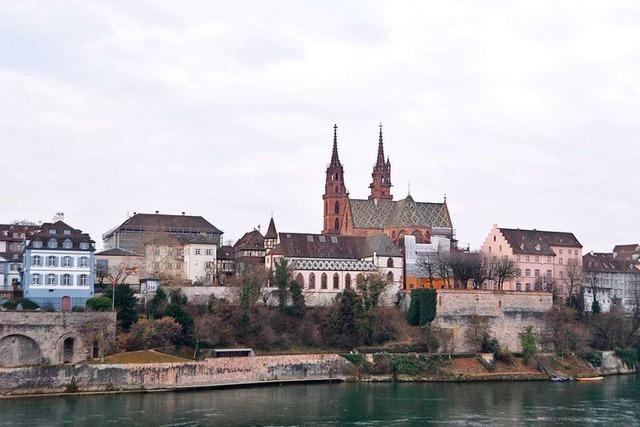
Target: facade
point(347, 216)
point(249, 251)
point(613, 278)
point(200, 261)
point(327, 265)
point(12, 242)
point(545, 260)
point(416, 254)
point(133, 234)
point(225, 264)
point(59, 266)
point(119, 264)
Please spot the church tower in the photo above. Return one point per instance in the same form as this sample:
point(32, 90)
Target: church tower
point(381, 183)
point(335, 192)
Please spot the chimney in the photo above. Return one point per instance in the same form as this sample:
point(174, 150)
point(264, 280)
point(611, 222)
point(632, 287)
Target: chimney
point(59, 216)
point(157, 212)
point(182, 213)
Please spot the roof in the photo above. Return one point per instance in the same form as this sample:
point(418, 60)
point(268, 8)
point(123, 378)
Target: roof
point(11, 256)
point(199, 239)
point(225, 252)
point(117, 252)
point(627, 248)
point(12, 232)
point(402, 213)
point(60, 231)
point(163, 222)
point(538, 242)
point(251, 240)
point(607, 263)
point(299, 245)
point(271, 231)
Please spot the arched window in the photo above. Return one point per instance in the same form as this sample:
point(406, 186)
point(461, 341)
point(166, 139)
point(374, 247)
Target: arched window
point(51, 279)
point(37, 261)
point(83, 280)
point(300, 280)
point(84, 261)
point(390, 276)
point(389, 262)
point(68, 244)
point(66, 279)
point(312, 281)
point(527, 287)
point(518, 286)
point(336, 281)
point(336, 189)
point(347, 281)
point(53, 243)
point(323, 281)
point(67, 261)
point(51, 261)
point(337, 224)
point(336, 208)
point(35, 279)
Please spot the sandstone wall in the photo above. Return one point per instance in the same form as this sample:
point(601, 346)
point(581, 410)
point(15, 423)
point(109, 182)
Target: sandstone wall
point(507, 314)
point(210, 372)
point(37, 337)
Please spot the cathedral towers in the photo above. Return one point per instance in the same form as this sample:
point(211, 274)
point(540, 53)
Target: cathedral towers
point(335, 192)
point(381, 176)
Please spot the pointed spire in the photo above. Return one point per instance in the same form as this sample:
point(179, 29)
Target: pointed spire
point(408, 189)
point(334, 155)
point(271, 230)
point(380, 160)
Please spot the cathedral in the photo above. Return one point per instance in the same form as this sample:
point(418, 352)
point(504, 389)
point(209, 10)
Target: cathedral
point(346, 216)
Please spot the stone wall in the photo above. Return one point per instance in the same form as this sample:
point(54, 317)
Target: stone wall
point(37, 337)
point(506, 314)
point(206, 373)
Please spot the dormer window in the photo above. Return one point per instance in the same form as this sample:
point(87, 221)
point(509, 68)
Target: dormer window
point(37, 243)
point(53, 243)
point(67, 232)
point(68, 244)
point(84, 245)
point(52, 231)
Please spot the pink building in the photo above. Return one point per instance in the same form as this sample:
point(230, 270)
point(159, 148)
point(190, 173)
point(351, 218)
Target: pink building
point(545, 260)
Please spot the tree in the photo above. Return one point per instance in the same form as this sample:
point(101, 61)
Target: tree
point(504, 269)
point(443, 269)
point(248, 286)
point(562, 331)
point(428, 266)
point(101, 303)
point(175, 310)
point(158, 304)
point(298, 306)
point(593, 280)
point(574, 278)
point(282, 279)
point(422, 309)
point(481, 271)
point(125, 303)
point(150, 333)
point(370, 288)
point(463, 267)
point(528, 343)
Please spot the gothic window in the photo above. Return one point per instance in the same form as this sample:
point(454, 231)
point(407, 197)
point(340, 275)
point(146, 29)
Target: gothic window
point(390, 276)
point(312, 281)
point(337, 224)
point(336, 281)
point(336, 189)
point(347, 281)
point(389, 262)
point(323, 281)
point(336, 208)
point(300, 280)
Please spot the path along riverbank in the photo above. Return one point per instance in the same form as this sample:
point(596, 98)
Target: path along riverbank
point(265, 370)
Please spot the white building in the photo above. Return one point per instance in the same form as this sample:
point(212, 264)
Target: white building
point(614, 279)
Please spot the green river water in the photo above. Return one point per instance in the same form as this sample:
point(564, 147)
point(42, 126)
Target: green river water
point(614, 401)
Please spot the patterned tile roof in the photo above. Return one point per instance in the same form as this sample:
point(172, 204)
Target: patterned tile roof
point(401, 213)
point(298, 245)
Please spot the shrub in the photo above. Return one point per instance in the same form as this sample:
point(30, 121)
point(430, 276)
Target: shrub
point(528, 343)
point(629, 356)
point(26, 303)
point(594, 358)
point(78, 309)
point(422, 310)
point(504, 356)
point(101, 303)
point(490, 345)
point(148, 333)
point(355, 358)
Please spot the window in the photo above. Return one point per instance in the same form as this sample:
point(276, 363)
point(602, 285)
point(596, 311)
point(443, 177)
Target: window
point(37, 243)
point(527, 272)
point(35, 279)
point(207, 252)
point(389, 262)
point(14, 267)
point(336, 208)
point(53, 243)
point(561, 251)
point(390, 277)
point(517, 257)
point(67, 261)
point(528, 287)
point(66, 279)
point(518, 286)
point(84, 261)
point(83, 280)
point(347, 281)
point(537, 258)
point(323, 281)
point(526, 258)
point(51, 261)
point(549, 259)
point(576, 252)
point(336, 281)
point(560, 261)
point(84, 245)
point(300, 280)
point(549, 273)
point(197, 251)
point(312, 281)
point(156, 252)
point(561, 273)
point(536, 273)
point(67, 232)
point(518, 272)
point(67, 244)
point(52, 231)
point(36, 261)
point(51, 279)
point(337, 225)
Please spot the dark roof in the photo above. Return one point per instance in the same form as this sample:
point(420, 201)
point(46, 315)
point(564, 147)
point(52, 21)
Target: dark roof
point(627, 251)
point(163, 222)
point(402, 213)
point(60, 231)
point(538, 242)
point(7, 231)
point(250, 240)
point(202, 239)
point(11, 256)
point(299, 245)
point(225, 252)
point(117, 252)
point(271, 231)
point(607, 263)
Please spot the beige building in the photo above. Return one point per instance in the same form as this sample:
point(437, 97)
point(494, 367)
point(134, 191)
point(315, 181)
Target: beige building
point(545, 260)
point(120, 266)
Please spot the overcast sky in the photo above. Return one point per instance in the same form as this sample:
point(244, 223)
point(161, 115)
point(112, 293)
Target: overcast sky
point(526, 114)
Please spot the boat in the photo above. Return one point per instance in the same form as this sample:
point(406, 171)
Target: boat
point(559, 379)
point(589, 379)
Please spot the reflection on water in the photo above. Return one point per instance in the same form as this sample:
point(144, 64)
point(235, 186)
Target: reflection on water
point(614, 401)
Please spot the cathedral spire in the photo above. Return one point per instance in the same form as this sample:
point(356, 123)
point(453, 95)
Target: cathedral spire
point(380, 160)
point(334, 155)
point(381, 182)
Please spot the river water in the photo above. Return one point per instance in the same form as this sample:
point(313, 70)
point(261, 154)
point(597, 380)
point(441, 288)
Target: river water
point(614, 401)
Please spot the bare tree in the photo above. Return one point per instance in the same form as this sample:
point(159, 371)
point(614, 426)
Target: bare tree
point(481, 270)
point(443, 269)
point(635, 301)
point(428, 266)
point(592, 280)
point(504, 269)
point(574, 279)
point(463, 267)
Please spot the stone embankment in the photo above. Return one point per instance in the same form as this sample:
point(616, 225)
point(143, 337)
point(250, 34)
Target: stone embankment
point(171, 376)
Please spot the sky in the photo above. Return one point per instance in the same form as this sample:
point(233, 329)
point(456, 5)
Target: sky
point(524, 113)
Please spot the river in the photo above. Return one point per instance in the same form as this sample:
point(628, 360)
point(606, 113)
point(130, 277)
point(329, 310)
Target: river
point(614, 401)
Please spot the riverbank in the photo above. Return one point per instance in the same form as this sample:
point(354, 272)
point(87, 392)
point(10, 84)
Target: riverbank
point(280, 369)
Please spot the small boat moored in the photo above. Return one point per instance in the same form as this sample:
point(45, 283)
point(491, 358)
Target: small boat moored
point(589, 379)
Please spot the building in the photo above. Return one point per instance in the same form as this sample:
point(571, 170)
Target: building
point(12, 242)
point(177, 249)
point(225, 264)
point(627, 252)
point(327, 265)
point(134, 233)
point(378, 213)
point(613, 278)
point(118, 265)
point(419, 255)
point(59, 266)
point(249, 251)
point(544, 260)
